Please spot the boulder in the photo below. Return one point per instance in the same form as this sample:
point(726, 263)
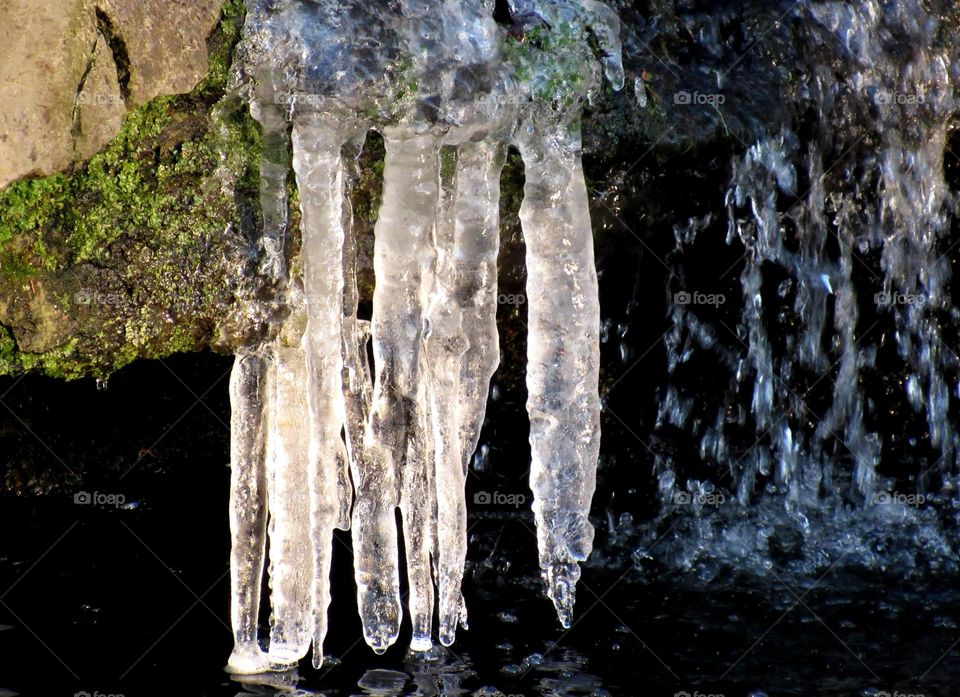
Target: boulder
point(70, 70)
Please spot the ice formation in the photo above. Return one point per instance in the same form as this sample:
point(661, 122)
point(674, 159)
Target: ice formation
point(323, 438)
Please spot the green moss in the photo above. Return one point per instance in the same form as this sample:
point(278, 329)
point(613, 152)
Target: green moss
point(220, 46)
point(60, 363)
point(549, 63)
point(8, 347)
point(143, 222)
point(406, 80)
point(25, 208)
point(367, 195)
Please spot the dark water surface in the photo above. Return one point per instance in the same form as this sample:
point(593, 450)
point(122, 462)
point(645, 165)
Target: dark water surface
point(133, 598)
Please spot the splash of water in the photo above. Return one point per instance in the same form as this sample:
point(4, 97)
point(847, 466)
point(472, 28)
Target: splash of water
point(845, 224)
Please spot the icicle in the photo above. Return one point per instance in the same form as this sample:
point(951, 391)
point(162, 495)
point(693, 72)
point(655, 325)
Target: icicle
point(418, 506)
point(605, 25)
point(477, 244)
point(444, 347)
point(402, 230)
point(274, 166)
point(462, 351)
point(563, 345)
point(291, 560)
point(250, 392)
point(356, 383)
point(406, 434)
point(317, 141)
point(563, 356)
point(248, 510)
point(461, 346)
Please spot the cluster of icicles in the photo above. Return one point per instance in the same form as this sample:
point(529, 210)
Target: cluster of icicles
point(323, 438)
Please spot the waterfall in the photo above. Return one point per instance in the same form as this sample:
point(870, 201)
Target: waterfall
point(844, 218)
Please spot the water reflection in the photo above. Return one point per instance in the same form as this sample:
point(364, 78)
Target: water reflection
point(440, 671)
point(444, 673)
point(270, 684)
point(383, 682)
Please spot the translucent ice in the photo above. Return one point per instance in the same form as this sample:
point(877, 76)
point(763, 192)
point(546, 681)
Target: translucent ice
point(317, 426)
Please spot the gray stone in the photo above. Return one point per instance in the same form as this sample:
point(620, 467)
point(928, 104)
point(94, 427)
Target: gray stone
point(70, 70)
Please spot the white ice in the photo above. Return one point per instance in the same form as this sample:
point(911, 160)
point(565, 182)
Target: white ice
point(322, 437)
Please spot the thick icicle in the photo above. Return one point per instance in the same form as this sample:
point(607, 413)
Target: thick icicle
point(418, 492)
point(405, 221)
point(291, 559)
point(317, 142)
point(248, 510)
point(249, 398)
point(563, 345)
point(563, 356)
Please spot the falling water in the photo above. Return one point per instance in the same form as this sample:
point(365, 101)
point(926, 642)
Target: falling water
point(844, 219)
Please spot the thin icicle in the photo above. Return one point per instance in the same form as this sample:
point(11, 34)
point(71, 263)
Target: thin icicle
point(462, 352)
point(418, 506)
point(444, 347)
point(291, 560)
point(477, 244)
point(356, 382)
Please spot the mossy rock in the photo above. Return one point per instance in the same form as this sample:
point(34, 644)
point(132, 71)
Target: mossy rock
point(139, 251)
